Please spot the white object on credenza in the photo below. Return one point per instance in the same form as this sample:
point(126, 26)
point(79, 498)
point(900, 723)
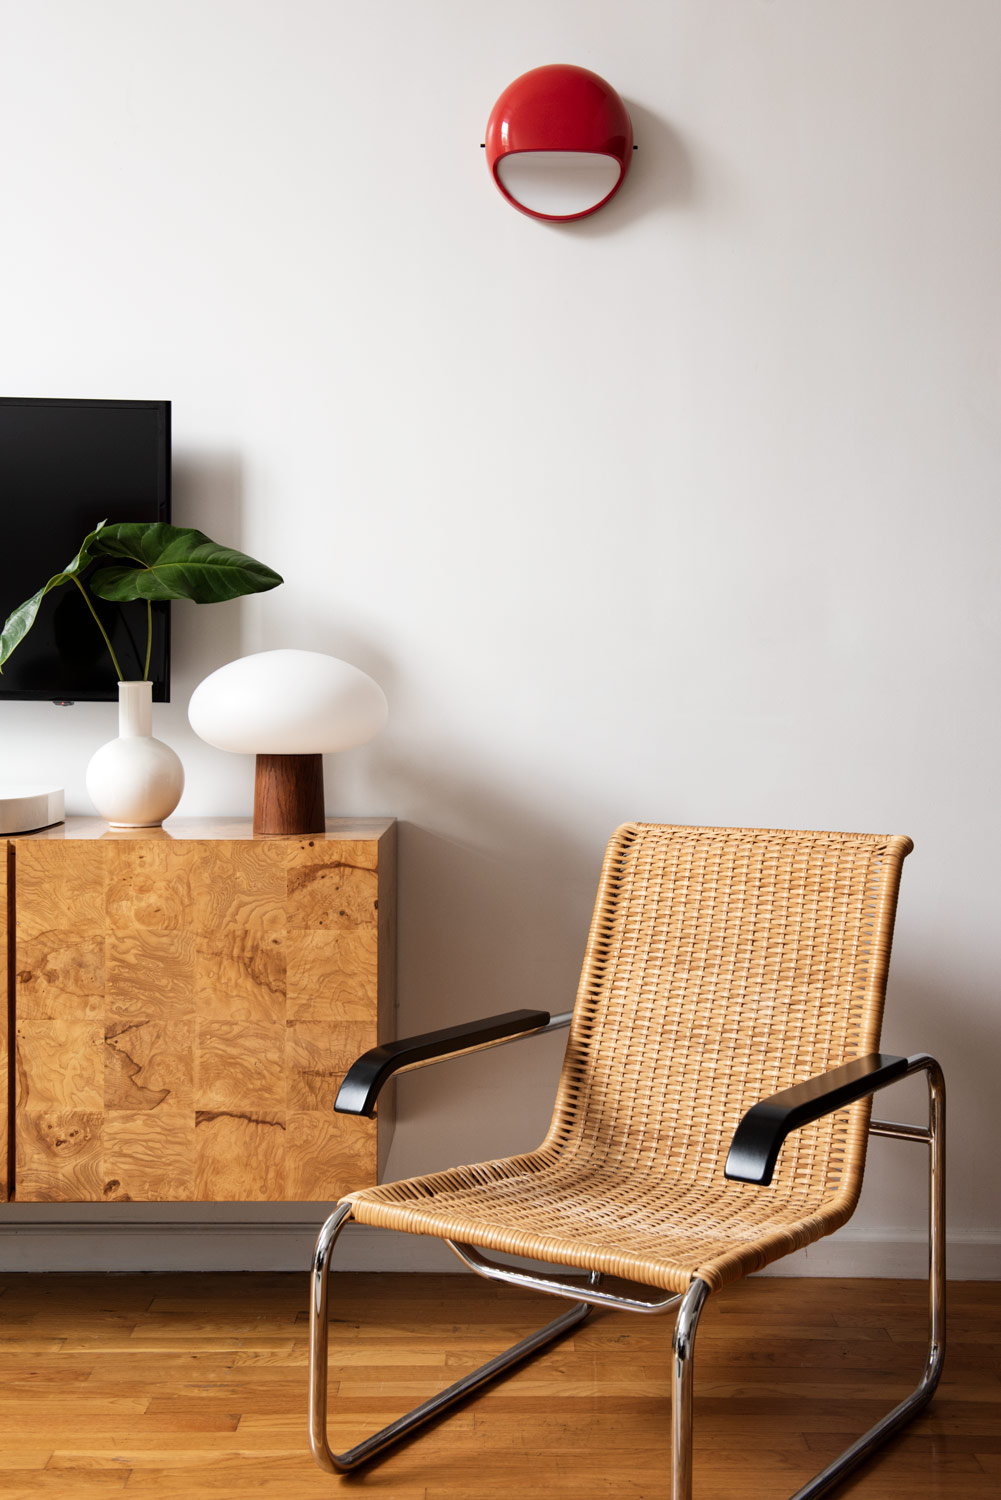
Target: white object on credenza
point(25, 808)
point(288, 707)
point(135, 781)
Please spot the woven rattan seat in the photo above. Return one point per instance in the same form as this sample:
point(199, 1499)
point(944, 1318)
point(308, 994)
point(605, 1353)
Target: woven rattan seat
point(723, 965)
point(712, 1113)
point(661, 1235)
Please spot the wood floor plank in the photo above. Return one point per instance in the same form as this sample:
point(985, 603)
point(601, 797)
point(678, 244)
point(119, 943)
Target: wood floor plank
point(25, 1458)
point(76, 1482)
point(193, 1387)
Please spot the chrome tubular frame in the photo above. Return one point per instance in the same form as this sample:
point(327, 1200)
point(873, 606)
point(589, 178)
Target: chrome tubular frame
point(353, 1458)
point(683, 1347)
point(545, 1281)
point(682, 1381)
point(934, 1138)
point(863, 1447)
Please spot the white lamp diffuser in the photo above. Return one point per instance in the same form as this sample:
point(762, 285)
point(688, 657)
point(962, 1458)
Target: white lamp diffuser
point(288, 708)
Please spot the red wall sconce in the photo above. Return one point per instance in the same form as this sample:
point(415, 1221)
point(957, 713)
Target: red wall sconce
point(559, 142)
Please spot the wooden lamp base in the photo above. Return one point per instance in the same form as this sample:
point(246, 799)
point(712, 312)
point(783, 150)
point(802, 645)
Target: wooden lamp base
point(288, 794)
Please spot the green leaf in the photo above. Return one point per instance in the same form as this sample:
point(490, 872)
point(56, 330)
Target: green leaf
point(20, 620)
point(174, 562)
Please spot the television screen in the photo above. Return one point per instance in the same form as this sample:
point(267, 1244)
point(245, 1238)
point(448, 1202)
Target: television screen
point(65, 466)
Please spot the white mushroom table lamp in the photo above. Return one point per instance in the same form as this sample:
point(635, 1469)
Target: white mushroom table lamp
point(288, 708)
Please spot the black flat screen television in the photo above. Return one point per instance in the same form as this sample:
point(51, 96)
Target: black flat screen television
point(65, 466)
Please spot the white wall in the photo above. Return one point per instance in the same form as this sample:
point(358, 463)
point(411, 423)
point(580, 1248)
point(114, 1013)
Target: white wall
point(687, 512)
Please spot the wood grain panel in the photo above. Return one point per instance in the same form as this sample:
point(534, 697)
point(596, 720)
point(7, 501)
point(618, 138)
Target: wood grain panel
point(148, 1065)
point(240, 926)
point(58, 1156)
point(145, 888)
point(7, 963)
point(56, 892)
point(239, 884)
point(332, 974)
point(323, 1157)
point(239, 1064)
point(317, 1056)
point(148, 1156)
point(59, 1032)
point(60, 1065)
point(149, 973)
point(386, 989)
point(240, 975)
point(332, 887)
point(60, 975)
point(188, 1006)
point(77, 829)
point(240, 1157)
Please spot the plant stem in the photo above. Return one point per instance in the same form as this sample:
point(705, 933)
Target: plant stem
point(149, 638)
point(107, 642)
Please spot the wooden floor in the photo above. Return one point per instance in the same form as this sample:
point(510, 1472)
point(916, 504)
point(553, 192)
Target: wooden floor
point(190, 1386)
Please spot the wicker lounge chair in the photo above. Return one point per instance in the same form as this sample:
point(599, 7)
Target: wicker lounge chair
point(731, 998)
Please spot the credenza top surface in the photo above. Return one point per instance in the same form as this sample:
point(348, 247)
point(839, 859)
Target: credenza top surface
point(338, 830)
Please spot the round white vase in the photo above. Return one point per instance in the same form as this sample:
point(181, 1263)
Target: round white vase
point(135, 781)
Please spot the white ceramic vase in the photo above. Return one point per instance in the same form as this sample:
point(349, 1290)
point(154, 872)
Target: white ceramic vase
point(135, 781)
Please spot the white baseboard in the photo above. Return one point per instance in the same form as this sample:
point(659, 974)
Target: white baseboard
point(285, 1246)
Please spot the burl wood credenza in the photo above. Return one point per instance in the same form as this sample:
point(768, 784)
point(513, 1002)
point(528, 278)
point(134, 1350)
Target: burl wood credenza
point(182, 1004)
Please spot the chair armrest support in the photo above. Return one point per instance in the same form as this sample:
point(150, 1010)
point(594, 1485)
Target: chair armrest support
point(366, 1076)
point(758, 1138)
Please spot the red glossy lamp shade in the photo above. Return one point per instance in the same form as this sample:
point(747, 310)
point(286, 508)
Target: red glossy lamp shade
point(559, 142)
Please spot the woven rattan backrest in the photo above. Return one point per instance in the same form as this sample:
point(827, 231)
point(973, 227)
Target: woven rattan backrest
point(724, 964)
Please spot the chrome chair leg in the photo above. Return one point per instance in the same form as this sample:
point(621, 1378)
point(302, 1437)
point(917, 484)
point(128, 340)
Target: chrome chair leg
point(353, 1458)
point(683, 1352)
point(863, 1447)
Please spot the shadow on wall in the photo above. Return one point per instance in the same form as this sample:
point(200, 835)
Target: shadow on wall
point(495, 895)
point(491, 923)
point(495, 903)
point(950, 1013)
point(207, 493)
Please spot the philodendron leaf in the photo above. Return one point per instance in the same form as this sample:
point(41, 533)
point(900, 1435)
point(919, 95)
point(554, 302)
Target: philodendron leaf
point(20, 621)
point(174, 562)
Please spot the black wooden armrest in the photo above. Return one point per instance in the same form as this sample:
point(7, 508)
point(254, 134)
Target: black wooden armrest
point(366, 1076)
point(758, 1138)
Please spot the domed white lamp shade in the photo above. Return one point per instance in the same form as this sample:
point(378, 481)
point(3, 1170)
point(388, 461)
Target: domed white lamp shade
point(288, 708)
